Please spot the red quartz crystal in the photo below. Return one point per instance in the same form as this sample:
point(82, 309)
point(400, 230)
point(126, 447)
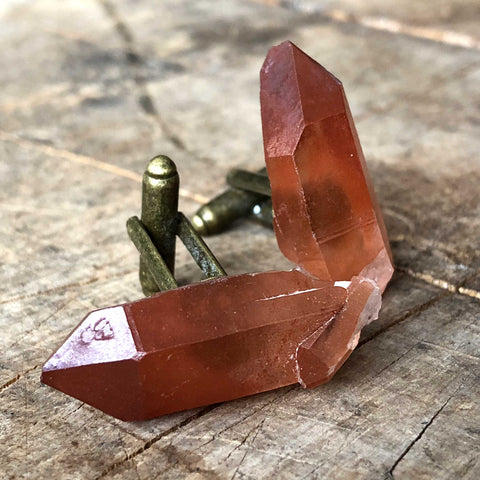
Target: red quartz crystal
point(212, 341)
point(327, 219)
point(234, 336)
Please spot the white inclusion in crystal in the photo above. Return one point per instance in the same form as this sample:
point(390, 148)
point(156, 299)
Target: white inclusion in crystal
point(379, 271)
point(353, 342)
point(372, 307)
point(298, 292)
point(344, 284)
point(369, 313)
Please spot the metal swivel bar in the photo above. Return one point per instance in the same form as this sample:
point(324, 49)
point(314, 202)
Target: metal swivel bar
point(155, 234)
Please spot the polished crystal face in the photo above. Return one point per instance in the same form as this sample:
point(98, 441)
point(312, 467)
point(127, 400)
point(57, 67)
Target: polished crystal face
point(326, 215)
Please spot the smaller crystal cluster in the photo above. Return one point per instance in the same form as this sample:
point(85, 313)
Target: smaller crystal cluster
point(234, 336)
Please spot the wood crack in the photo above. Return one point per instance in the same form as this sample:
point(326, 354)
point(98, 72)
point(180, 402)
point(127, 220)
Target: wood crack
point(405, 316)
point(67, 155)
point(422, 432)
point(81, 283)
point(443, 284)
point(448, 289)
point(154, 440)
point(381, 23)
point(17, 377)
point(218, 434)
point(396, 360)
point(255, 431)
point(137, 65)
point(288, 389)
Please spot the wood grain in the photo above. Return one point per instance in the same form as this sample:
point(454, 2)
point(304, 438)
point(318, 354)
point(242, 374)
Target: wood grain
point(92, 90)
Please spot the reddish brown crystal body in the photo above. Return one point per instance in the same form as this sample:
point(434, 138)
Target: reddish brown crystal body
point(210, 342)
point(326, 215)
point(234, 336)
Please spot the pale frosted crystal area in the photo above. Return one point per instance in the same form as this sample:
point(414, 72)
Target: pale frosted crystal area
point(372, 307)
point(87, 343)
point(380, 270)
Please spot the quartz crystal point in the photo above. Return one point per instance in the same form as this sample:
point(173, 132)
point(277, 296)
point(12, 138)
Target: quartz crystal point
point(234, 336)
point(327, 219)
point(212, 341)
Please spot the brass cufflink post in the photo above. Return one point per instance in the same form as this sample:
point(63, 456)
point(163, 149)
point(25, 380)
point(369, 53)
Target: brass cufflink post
point(155, 234)
point(249, 197)
point(160, 189)
point(249, 181)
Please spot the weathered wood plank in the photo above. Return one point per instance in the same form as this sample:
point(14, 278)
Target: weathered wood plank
point(447, 21)
point(91, 91)
point(404, 297)
point(46, 435)
point(456, 428)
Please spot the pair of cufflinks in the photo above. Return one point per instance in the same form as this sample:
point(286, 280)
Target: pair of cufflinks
point(232, 336)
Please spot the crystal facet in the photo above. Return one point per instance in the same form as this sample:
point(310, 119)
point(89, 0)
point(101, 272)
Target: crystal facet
point(327, 218)
point(234, 336)
point(212, 341)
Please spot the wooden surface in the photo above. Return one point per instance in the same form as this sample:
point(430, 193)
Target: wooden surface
point(90, 90)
